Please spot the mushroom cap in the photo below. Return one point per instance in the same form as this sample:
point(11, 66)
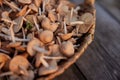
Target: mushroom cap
point(53, 27)
point(4, 58)
point(16, 62)
point(67, 48)
point(46, 36)
point(31, 44)
point(45, 23)
point(19, 24)
point(13, 45)
point(23, 11)
point(48, 70)
point(25, 1)
point(87, 18)
point(66, 36)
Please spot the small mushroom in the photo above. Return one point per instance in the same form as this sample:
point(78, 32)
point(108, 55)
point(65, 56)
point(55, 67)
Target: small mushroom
point(3, 60)
point(37, 2)
point(34, 46)
point(19, 65)
point(6, 37)
point(19, 24)
point(33, 7)
point(66, 35)
point(23, 11)
point(48, 70)
point(13, 44)
point(67, 48)
point(46, 24)
point(1, 2)
point(46, 36)
point(25, 1)
point(41, 58)
point(5, 30)
point(87, 18)
point(52, 16)
point(5, 15)
point(12, 5)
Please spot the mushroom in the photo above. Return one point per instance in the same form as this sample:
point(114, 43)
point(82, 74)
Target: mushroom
point(33, 7)
point(3, 60)
point(12, 5)
point(41, 58)
point(46, 24)
point(19, 65)
point(35, 45)
point(5, 15)
point(19, 24)
point(37, 2)
point(16, 39)
point(13, 44)
point(52, 16)
point(23, 11)
point(25, 1)
point(5, 30)
point(66, 35)
point(67, 48)
point(48, 70)
point(46, 36)
point(1, 2)
point(87, 18)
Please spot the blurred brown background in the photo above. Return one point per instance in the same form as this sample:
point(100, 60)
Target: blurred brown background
point(101, 61)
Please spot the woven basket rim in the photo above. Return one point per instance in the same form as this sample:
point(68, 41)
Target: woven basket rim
point(86, 42)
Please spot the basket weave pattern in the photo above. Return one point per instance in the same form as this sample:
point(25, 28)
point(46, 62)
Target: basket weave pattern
point(89, 4)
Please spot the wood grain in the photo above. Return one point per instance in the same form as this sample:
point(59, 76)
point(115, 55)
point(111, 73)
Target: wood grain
point(102, 59)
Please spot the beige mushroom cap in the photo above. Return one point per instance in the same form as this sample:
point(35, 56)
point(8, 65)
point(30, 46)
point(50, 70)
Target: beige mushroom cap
point(3, 59)
point(31, 44)
point(46, 36)
point(25, 1)
point(48, 70)
point(18, 61)
point(67, 48)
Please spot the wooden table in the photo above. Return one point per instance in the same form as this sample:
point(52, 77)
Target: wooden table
point(101, 61)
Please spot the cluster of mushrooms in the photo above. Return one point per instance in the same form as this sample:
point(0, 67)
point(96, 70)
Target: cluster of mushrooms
point(36, 35)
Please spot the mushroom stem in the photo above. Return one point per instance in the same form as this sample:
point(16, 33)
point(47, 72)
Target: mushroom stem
point(65, 28)
point(35, 21)
point(23, 70)
point(1, 65)
point(12, 33)
point(9, 21)
point(16, 39)
point(4, 51)
point(40, 13)
point(59, 40)
point(12, 5)
point(28, 11)
point(38, 49)
point(6, 74)
point(47, 57)
point(44, 62)
point(71, 13)
point(76, 22)
point(44, 3)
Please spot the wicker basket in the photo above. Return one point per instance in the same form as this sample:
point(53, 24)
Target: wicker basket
point(88, 5)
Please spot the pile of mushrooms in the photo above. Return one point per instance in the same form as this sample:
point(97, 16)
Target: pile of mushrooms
point(36, 35)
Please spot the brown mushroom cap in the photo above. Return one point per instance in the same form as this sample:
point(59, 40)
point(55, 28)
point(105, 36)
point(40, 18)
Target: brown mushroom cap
point(48, 70)
point(3, 59)
point(87, 18)
point(46, 36)
point(25, 1)
point(45, 23)
point(31, 44)
point(66, 36)
point(67, 48)
point(16, 62)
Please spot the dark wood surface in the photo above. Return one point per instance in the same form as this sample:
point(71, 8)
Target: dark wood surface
point(101, 61)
